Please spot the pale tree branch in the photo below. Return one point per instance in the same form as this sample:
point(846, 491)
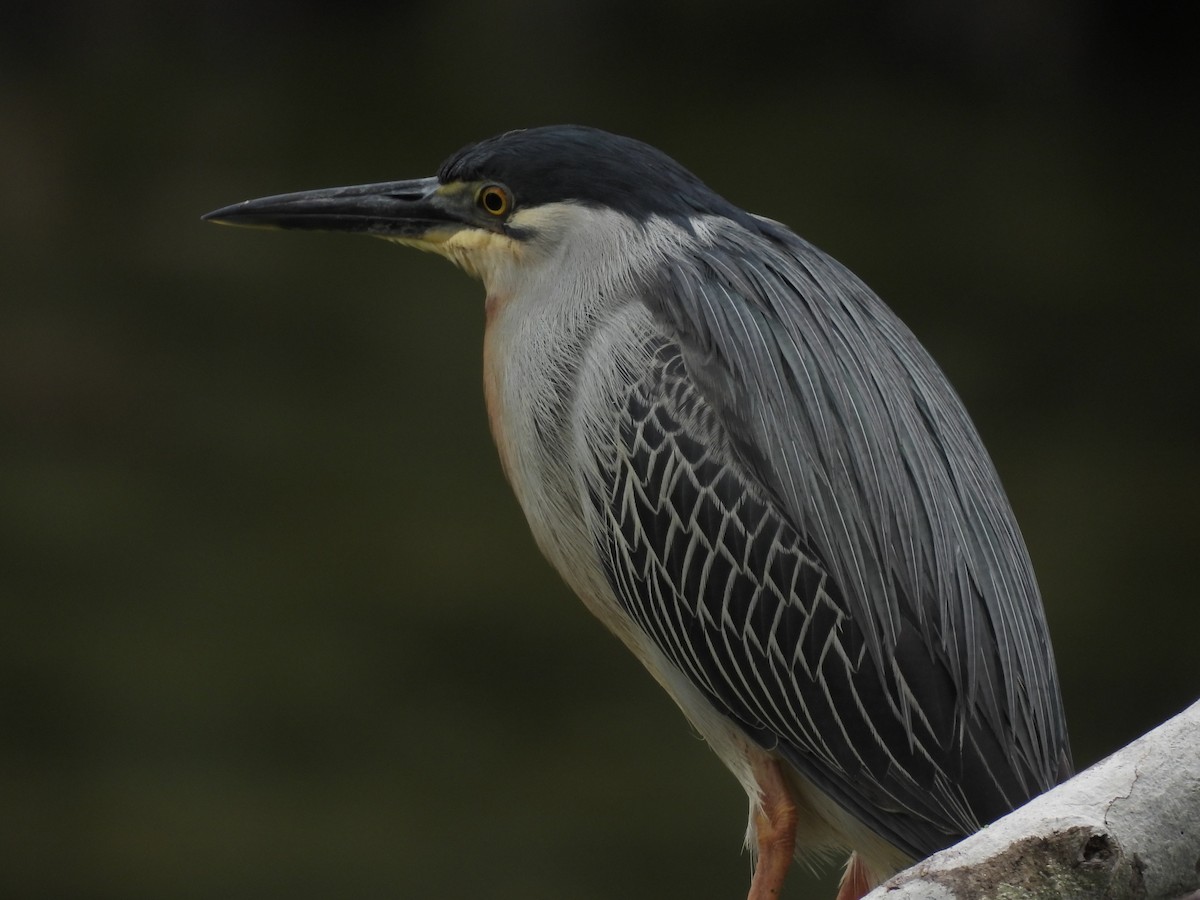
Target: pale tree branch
point(1128, 827)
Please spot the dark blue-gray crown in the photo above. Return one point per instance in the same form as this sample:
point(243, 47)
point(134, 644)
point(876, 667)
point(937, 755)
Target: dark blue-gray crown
point(586, 165)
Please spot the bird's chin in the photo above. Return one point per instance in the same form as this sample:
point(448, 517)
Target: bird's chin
point(478, 252)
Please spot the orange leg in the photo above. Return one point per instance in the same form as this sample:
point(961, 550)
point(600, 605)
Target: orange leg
point(775, 827)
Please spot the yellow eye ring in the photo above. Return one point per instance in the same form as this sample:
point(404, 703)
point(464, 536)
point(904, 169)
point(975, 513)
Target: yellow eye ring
point(494, 200)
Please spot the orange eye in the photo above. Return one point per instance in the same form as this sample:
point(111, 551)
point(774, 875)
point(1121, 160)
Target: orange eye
point(494, 200)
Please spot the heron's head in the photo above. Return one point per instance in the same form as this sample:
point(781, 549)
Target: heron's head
point(499, 206)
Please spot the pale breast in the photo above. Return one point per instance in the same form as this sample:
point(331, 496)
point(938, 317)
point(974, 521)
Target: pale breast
point(553, 375)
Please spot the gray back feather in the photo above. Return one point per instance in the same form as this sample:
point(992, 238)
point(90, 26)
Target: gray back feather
point(841, 415)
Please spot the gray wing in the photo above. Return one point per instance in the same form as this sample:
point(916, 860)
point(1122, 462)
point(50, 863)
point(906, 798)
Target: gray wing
point(805, 522)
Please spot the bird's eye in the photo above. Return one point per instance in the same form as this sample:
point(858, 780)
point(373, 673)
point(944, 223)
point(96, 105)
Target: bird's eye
point(494, 200)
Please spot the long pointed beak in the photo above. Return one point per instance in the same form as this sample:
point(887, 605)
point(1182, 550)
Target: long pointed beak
point(395, 209)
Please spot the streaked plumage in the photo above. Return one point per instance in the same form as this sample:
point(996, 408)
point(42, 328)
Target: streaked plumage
point(753, 473)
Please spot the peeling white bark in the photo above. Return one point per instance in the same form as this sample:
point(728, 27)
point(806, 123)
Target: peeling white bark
point(1128, 827)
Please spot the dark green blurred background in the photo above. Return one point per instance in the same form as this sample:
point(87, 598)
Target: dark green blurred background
point(272, 624)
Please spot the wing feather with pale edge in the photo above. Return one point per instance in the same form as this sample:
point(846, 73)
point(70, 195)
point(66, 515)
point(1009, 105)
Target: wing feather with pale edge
point(804, 520)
